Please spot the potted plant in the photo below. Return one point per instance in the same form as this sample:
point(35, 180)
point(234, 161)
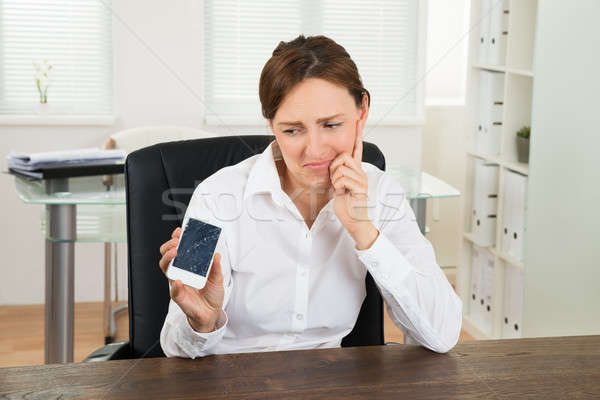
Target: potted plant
point(523, 144)
point(42, 82)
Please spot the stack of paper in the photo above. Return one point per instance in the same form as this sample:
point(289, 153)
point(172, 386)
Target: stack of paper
point(21, 162)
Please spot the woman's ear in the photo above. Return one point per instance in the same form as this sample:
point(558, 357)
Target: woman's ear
point(271, 126)
point(364, 112)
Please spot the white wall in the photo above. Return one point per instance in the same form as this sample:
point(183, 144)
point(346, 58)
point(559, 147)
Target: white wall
point(563, 221)
point(157, 47)
point(447, 47)
point(445, 130)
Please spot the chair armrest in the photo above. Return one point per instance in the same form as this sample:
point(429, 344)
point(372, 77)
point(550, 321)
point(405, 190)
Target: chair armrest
point(112, 351)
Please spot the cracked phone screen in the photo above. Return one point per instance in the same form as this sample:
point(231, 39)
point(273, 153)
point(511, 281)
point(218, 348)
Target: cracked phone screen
point(198, 243)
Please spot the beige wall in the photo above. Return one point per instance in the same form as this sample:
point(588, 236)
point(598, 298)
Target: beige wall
point(444, 146)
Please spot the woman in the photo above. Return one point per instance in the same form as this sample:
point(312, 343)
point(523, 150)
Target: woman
point(303, 222)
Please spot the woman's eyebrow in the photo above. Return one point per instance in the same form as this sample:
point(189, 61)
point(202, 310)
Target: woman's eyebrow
point(298, 123)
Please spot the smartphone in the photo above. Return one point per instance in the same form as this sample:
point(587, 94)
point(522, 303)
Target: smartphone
point(195, 253)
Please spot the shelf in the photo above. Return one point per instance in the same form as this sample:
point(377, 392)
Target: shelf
point(519, 71)
point(502, 68)
point(517, 166)
point(495, 68)
point(469, 236)
point(522, 168)
point(508, 258)
point(503, 256)
point(471, 327)
point(486, 157)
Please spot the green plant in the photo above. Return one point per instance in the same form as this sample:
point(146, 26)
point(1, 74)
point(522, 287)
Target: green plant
point(42, 79)
point(524, 132)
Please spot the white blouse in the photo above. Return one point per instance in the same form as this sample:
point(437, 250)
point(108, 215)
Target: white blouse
point(288, 287)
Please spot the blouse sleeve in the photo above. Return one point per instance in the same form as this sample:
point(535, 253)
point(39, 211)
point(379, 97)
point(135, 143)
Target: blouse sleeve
point(177, 338)
point(419, 298)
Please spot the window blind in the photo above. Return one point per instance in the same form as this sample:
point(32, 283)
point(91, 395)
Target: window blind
point(380, 36)
point(75, 37)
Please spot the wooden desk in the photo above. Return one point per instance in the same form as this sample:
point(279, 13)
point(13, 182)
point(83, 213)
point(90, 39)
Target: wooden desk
point(546, 368)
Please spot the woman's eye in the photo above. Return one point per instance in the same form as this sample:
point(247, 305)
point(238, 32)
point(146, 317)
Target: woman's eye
point(333, 125)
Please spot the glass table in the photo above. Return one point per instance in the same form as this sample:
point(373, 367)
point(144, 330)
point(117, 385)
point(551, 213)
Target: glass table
point(79, 209)
point(419, 187)
point(88, 209)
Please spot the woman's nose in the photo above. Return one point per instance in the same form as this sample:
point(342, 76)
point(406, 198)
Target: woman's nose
point(314, 141)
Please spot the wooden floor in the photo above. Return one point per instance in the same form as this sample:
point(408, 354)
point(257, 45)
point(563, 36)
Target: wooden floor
point(22, 332)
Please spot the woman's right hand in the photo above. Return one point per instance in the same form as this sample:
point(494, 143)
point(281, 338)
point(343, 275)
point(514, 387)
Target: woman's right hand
point(202, 307)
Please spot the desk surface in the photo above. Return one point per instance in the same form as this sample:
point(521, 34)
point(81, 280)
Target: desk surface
point(544, 368)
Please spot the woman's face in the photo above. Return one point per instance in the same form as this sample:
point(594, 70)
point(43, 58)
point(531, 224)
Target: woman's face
point(315, 122)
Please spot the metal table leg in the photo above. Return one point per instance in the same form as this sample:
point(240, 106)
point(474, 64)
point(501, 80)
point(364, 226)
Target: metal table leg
point(419, 207)
point(107, 295)
point(60, 271)
point(110, 325)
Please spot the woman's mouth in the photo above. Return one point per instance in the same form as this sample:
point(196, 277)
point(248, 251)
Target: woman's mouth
point(318, 165)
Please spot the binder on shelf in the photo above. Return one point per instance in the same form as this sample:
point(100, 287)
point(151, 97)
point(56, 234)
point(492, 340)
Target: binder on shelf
point(507, 212)
point(496, 84)
point(484, 31)
point(512, 310)
point(485, 203)
point(498, 33)
point(514, 206)
point(493, 32)
point(487, 266)
point(488, 134)
point(520, 208)
point(483, 121)
point(506, 315)
point(475, 309)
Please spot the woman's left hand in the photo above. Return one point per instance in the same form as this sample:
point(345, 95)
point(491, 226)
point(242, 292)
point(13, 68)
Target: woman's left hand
point(350, 198)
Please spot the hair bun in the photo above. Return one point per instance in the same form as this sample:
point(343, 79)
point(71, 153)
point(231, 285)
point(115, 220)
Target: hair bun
point(284, 46)
point(303, 58)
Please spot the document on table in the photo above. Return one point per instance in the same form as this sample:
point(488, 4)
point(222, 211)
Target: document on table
point(63, 158)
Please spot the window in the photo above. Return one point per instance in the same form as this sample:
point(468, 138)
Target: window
point(75, 38)
point(382, 37)
point(447, 51)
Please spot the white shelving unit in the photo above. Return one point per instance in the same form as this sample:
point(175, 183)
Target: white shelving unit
point(518, 73)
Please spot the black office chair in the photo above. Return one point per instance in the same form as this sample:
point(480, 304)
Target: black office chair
point(160, 180)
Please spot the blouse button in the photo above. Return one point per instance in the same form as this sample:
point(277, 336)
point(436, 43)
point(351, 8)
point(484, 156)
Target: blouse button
point(299, 317)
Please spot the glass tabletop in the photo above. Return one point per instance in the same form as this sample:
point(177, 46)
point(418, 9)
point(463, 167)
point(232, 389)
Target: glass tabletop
point(102, 217)
point(432, 187)
point(98, 189)
point(421, 185)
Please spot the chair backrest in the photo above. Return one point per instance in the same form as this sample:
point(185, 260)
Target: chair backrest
point(160, 180)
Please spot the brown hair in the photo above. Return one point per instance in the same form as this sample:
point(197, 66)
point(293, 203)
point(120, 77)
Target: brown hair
point(303, 58)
